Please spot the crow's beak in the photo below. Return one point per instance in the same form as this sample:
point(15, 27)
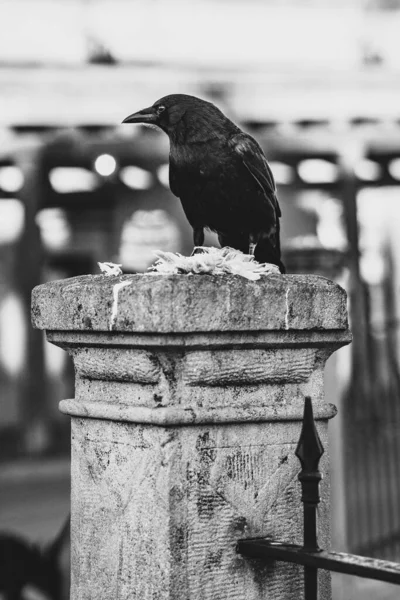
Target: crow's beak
point(147, 115)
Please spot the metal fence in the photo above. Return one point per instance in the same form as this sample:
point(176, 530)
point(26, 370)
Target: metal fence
point(310, 555)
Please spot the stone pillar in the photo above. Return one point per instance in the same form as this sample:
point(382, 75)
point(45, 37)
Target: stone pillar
point(189, 397)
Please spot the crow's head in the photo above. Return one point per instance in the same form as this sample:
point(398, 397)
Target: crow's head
point(180, 116)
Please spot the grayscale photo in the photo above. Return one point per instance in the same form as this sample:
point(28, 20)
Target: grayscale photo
point(199, 300)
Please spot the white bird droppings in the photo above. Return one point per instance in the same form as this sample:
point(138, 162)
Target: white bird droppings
point(114, 313)
point(287, 309)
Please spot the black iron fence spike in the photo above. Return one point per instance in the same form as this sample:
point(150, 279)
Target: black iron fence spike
point(309, 451)
point(309, 448)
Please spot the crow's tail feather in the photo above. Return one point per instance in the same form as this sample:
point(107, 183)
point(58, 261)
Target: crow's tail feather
point(268, 249)
point(268, 252)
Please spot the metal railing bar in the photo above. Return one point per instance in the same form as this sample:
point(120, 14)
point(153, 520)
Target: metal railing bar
point(339, 562)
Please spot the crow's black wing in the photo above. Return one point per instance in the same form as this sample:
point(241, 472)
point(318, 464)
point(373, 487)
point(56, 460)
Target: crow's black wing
point(255, 162)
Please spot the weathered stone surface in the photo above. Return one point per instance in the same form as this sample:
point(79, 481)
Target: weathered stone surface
point(187, 411)
point(189, 303)
point(248, 367)
point(135, 366)
point(157, 512)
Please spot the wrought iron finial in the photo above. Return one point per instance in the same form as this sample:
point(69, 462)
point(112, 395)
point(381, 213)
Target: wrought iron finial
point(309, 448)
point(309, 451)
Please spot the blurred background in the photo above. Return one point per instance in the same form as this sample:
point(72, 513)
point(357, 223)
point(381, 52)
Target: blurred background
point(317, 83)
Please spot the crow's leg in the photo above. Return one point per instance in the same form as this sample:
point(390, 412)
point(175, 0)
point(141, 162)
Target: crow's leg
point(198, 236)
point(253, 241)
point(198, 239)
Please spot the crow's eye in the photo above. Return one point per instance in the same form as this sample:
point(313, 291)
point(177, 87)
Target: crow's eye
point(160, 109)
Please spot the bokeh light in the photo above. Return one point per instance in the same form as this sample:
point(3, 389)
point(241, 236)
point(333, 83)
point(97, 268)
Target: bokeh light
point(105, 165)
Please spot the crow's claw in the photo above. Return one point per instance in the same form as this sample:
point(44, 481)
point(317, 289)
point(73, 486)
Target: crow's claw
point(198, 250)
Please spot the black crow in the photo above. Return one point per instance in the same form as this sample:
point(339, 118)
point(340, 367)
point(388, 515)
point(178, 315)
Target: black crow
point(220, 174)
